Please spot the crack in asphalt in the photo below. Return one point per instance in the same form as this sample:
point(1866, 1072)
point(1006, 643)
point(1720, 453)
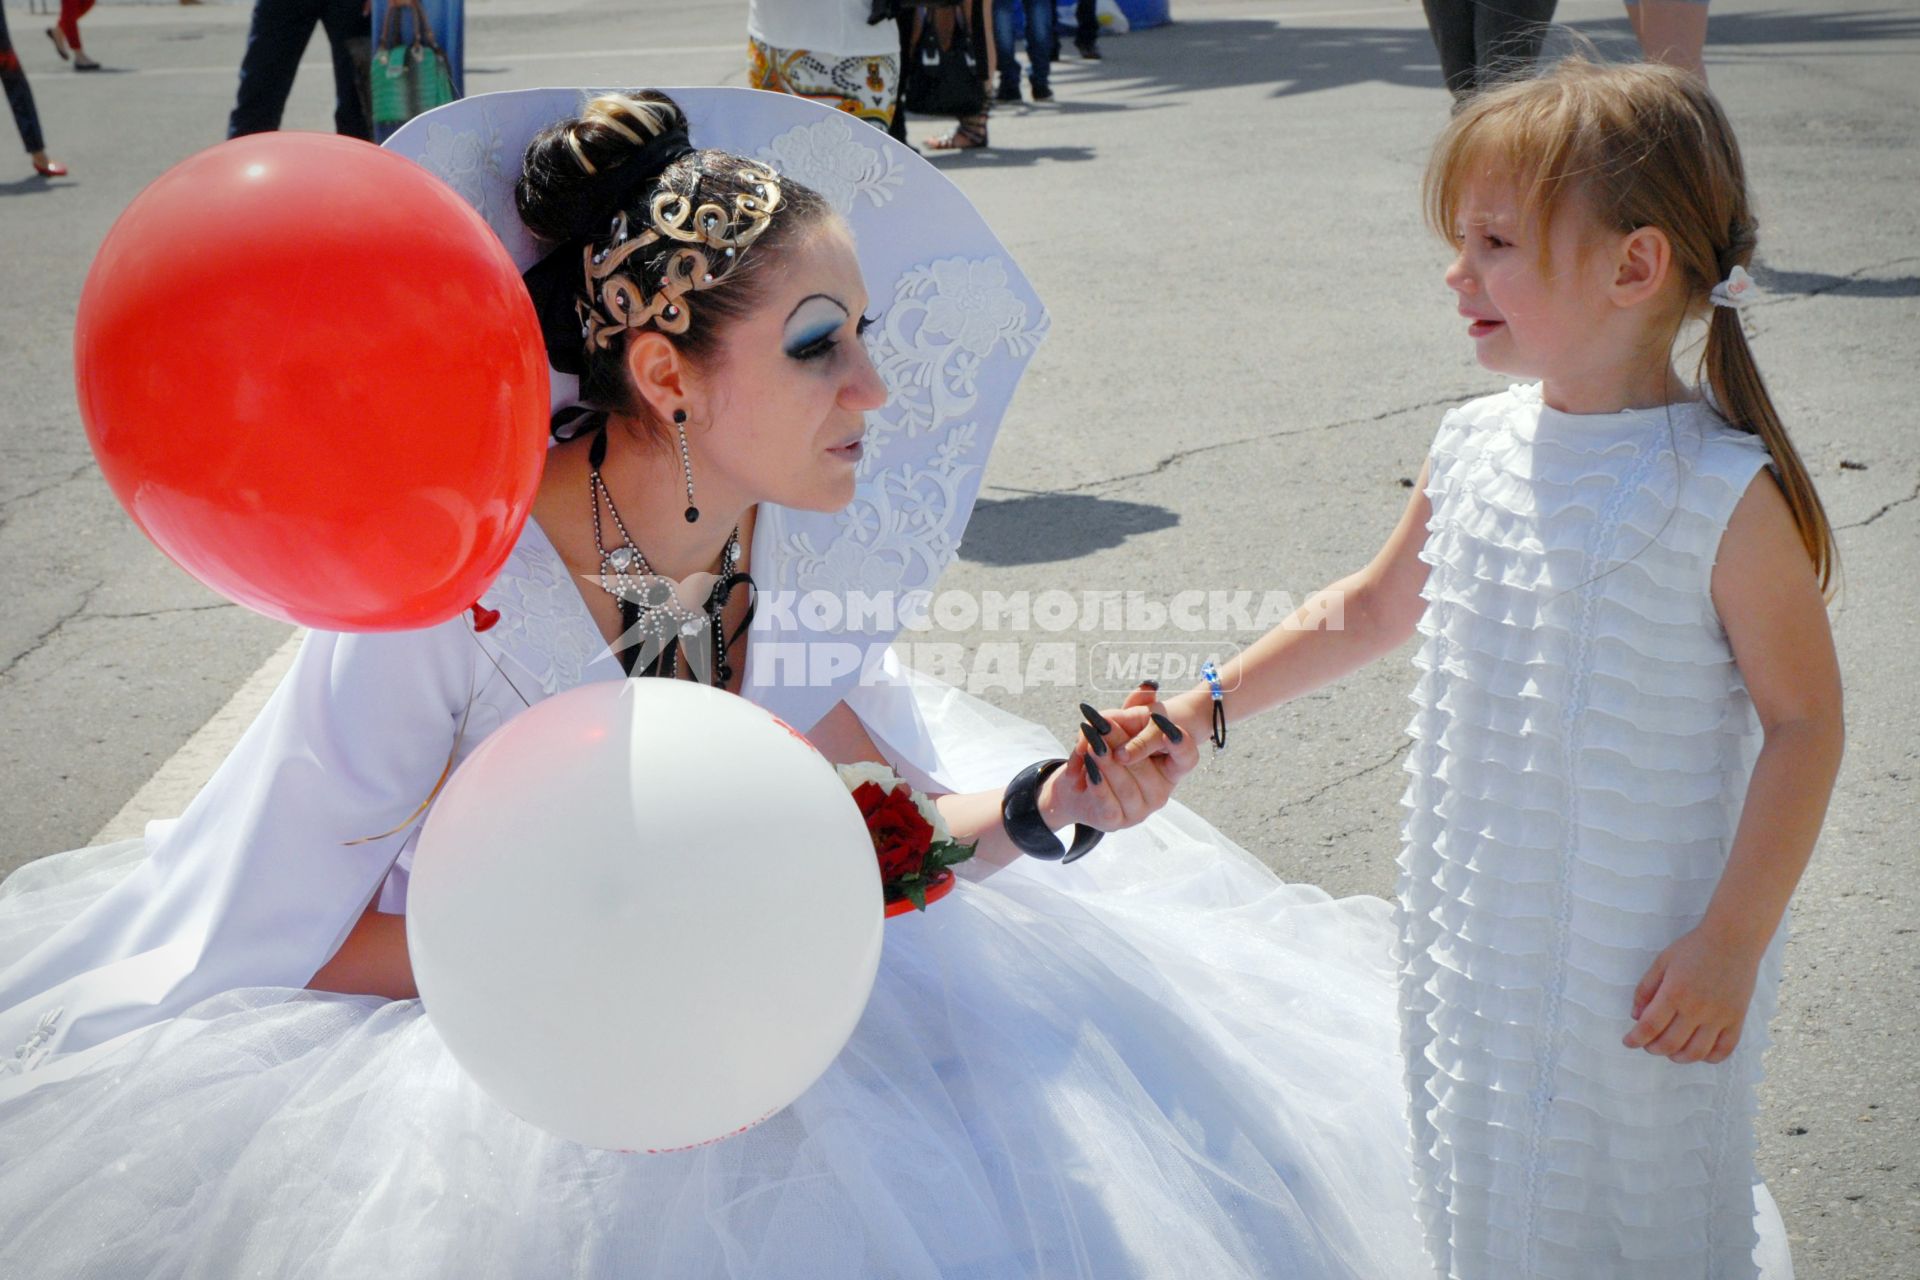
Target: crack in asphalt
point(156, 613)
point(1341, 837)
point(14, 499)
point(1897, 502)
point(1183, 454)
point(1291, 805)
point(86, 598)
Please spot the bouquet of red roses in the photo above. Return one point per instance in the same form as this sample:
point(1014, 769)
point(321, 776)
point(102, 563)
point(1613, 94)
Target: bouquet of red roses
point(909, 836)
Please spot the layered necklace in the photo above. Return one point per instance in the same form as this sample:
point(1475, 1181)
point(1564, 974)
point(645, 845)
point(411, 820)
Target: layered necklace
point(653, 619)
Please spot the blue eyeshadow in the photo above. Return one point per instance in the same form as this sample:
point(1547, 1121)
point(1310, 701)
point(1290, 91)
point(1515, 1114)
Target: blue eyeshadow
point(811, 336)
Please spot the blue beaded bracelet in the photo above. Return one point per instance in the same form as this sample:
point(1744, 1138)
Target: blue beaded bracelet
point(1211, 675)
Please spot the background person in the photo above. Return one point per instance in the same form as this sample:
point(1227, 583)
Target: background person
point(970, 22)
point(1086, 29)
point(65, 35)
point(20, 98)
point(1483, 41)
point(827, 51)
point(1672, 31)
point(1042, 46)
point(276, 39)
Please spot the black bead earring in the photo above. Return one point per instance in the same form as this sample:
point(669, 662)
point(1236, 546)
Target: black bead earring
point(686, 464)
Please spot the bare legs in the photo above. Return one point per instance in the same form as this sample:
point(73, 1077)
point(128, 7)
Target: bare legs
point(1671, 31)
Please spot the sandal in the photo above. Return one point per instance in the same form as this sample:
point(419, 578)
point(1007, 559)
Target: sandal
point(969, 134)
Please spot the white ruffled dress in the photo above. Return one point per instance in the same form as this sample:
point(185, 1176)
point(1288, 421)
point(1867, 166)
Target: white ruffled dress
point(1582, 746)
point(1158, 1062)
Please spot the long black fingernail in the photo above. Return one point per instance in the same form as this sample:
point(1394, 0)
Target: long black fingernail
point(1093, 770)
point(1095, 719)
point(1094, 740)
point(1150, 684)
point(1167, 727)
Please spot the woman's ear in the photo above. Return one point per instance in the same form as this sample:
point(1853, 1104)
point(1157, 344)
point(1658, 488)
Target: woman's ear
point(1642, 264)
point(658, 371)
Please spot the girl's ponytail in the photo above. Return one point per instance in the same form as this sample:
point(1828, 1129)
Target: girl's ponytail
point(1741, 395)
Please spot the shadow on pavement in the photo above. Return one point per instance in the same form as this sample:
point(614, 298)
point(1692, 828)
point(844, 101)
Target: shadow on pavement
point(1307, 59)
point(1042, 528)
point(1294, 59)
point(1810, 283)
point(31, 185)
point(1785, 26)
point(997, 156)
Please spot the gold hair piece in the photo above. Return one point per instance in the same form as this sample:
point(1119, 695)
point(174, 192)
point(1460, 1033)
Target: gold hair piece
point(713, 235)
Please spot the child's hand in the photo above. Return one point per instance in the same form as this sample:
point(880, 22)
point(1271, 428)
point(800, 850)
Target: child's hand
point(1145, 730)
point(1101, 790)
point(1692, 1002)
point(1173, 729)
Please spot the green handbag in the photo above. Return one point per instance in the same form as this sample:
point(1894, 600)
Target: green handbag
point(409, 78)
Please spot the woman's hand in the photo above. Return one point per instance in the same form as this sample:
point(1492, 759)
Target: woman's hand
point(1096, 789)
point(1692, 1002)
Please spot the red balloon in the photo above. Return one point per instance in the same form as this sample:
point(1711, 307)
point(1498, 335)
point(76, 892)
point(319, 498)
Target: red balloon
point(312, 376)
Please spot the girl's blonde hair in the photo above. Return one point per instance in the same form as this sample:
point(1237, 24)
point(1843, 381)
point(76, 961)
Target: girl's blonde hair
point(1637, 146)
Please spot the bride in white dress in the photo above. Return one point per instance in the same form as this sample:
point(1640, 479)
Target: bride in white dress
point(1157, 1061)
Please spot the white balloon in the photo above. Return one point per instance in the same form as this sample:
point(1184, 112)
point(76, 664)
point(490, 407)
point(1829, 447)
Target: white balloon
point(644, 914)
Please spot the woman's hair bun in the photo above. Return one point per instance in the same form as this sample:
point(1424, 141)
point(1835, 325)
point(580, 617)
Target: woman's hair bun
point(562, 191)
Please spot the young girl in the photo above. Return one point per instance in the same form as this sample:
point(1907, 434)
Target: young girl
point(1629, 708)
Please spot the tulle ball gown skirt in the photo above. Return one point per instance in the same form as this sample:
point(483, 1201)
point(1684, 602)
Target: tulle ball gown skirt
point(1158, 1062)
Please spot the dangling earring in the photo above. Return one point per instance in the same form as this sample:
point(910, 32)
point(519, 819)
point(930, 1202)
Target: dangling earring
point(686, 464)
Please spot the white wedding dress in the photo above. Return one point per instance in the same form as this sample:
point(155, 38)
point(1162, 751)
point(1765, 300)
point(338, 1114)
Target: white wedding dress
point(1158, 1062)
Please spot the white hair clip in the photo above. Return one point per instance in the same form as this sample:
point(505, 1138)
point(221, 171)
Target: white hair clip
point(1738, 290)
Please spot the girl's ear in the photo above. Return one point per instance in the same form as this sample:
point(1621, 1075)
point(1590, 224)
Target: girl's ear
point(1643, 262)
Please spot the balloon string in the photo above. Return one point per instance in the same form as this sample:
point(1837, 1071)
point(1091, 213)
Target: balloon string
point(459, 734)
point(473, 633)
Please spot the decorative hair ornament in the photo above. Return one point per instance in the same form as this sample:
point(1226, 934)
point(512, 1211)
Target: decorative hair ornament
point(554, 281)
point(618, 299)
point(1738, 290)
